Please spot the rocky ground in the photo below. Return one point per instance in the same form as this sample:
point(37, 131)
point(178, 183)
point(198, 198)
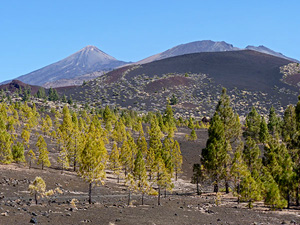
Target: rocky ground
point(110, 201)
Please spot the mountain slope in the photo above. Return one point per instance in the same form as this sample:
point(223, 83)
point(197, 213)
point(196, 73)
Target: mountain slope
point(266, 50)
point(87, 60)
point(251, 77)
point(192, 47)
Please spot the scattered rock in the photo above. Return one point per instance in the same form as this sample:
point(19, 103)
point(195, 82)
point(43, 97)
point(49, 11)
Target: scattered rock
point(4, 214)
point(33, 220)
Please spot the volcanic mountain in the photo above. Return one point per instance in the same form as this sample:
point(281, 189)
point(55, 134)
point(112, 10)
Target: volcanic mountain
point(266, 50)
point(193, 82)
point(87, 60)
point(192, 47)
point(207, 46)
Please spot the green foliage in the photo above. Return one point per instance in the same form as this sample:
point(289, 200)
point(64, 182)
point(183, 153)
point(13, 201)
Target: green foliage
point(53, 95)
point(274, 122)
point(253, 125)
point(193, 136)
point(6, 156)
point(43, 157)
point(173, 100)
point(263, 131)
point(37, 188)
point(18, 152)
point(41, 93)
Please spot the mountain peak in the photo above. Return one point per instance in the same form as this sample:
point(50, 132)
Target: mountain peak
point(87, 60)
point(192, 47)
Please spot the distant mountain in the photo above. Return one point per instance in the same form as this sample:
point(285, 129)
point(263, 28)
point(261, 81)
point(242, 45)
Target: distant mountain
point(87, 60)
point(192, 47)
point(208, 46)
point(266, 50)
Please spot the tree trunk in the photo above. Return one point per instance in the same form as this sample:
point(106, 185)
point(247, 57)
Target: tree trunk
point(238, 191)
point(227, 187)
point(158, 197)
point(29, 163)
point(198, 191)
point(176, 175)
point(74, 168)
point(165, 192)
point(129, 197)
point(75, 155)
point(288, 199)
point(35, 198)
point(118, 178)
point(297, 196)
point(143, 198)
point(42, 165)
point(90, 193)
point(216, 187)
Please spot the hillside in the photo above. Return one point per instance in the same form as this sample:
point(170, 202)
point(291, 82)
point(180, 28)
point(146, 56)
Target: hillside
point(195, 81)
point(16, 85)
point(87, 60)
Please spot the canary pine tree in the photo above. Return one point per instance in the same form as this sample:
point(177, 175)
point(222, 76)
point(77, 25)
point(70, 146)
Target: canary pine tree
point(93, 159)
point(43, 152)
point(114, 160)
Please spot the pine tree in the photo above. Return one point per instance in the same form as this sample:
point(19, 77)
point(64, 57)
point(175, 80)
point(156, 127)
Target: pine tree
point(215, 154)
point(238, 169)
point(43, 153)
point(198, 176)
point(252, 124)
point(263, 131)
point(274, 122)
point(25, 136)
point(63, 159)
point(114, 160)
point(251, 155)
point(37, 188)
point(232, 126)
point(289, 131)
point(272, 194)
point(140, 175)
point(31, 156)
point(249, 190)
point(126, 157)
point(176, 158)
point(193, 136)
point(93, 160)
point(281, 167)
point(6, 156)
point(163, 178)
point(18, 152)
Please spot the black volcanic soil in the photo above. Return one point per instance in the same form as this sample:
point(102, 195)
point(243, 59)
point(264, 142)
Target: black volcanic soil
point(243, 69)
point(182, 206)
point(158, 85)
point(293, 79)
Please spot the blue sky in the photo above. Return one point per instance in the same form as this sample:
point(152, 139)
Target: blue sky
point(36, 33)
